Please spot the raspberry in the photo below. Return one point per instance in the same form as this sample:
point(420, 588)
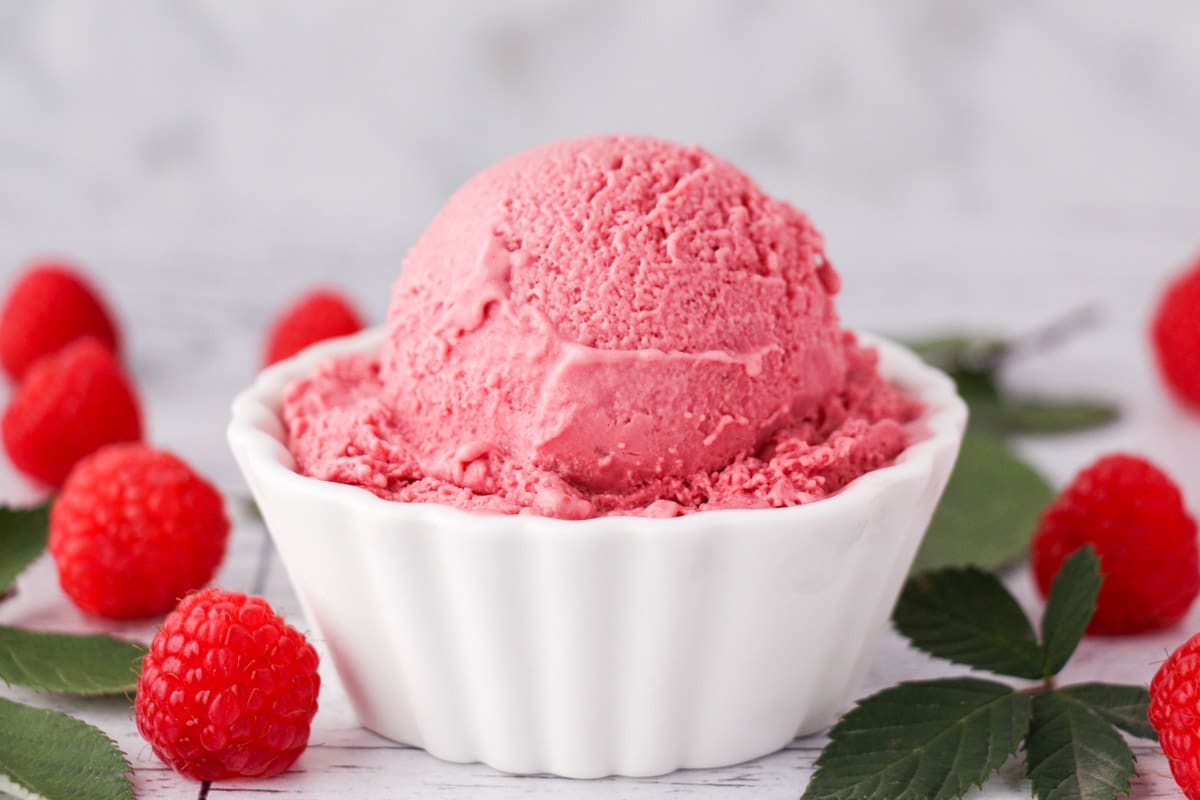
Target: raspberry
point(135, 529)
point(49, 307)
point(319, 315)
point(1133, 515)
point(1176, 334)
point(1174, 710)
point(228, 689)
point(68, 405)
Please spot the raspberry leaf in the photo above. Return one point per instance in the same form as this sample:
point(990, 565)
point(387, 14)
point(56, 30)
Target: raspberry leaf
point(926, 740)
point(975, 361)
point(248, 506)
point(1124, 706)
point(49, 755)
point(1069, 608)
point(1031, 416)
point(92, 664)
point(967, 616)
point(1074, 754)
point(961, 352)
point(23, 535)
point(989, 510)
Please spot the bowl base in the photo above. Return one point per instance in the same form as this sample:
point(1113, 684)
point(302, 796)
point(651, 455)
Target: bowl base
point(586, 768)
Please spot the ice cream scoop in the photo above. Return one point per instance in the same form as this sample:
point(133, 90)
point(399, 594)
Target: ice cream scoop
point(600, 324)
point(611, 309)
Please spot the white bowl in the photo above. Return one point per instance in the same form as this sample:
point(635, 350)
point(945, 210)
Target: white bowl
point(607, 646)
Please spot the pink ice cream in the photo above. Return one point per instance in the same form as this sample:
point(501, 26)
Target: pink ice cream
point(608, 325)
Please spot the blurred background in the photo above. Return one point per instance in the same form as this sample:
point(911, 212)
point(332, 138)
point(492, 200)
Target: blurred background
point(979, 165)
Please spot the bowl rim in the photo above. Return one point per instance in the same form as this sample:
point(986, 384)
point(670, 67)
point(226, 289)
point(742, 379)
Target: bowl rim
point(254, 413)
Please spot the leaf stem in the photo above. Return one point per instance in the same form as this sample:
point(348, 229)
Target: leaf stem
point(1048, 336)
point(1048, 685)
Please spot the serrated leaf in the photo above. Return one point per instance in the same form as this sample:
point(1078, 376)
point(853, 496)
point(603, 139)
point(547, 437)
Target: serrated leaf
point(1124, 706)
point(50, 755)
point(1074, 754)
point(956, 352)
point(926, 740)
point(977, 387)
point(966, 615)
point(989, 510)
point(1070, 607)
point(92, 664)
point(1002, 415)
point(974, 362)
point(23, 534)
point(1048, 416)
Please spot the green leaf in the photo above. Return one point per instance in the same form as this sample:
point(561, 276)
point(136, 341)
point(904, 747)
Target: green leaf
point(249, 507)
point(1070, 607)
point(74, 664)
point(49, 755)
point(1002, 415)
point(975, 362)
point(1047, 416)
point(927, 740)
point(23, 534)
point(972, 362)
point(956, 352)
point(989, 510)
point(967, 616)
point(977, 387)
point(1123, 706)
point(1074, 754)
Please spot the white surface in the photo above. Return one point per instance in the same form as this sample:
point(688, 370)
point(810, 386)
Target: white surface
point(611, 646)
point(995, 164)
point(344, 757)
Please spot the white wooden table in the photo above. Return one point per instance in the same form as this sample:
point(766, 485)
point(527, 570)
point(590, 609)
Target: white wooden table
point(344, 759)
point(216, 325)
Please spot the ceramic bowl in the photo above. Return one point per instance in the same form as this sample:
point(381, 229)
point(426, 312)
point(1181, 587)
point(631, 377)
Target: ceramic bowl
point(609, 646)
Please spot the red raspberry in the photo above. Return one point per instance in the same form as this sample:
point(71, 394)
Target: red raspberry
point(228, 689)
point(1174, 711)
point(1133, 515)
point(135, 529)
point(49, 307)
point(68, 405)
point(1176, 333)
point(319, 315)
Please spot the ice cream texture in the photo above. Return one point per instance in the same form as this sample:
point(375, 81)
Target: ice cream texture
point(606, 325)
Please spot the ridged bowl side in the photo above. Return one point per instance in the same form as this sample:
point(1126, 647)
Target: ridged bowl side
point(617, 645)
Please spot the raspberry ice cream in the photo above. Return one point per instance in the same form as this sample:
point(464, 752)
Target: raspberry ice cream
point(607, 325)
